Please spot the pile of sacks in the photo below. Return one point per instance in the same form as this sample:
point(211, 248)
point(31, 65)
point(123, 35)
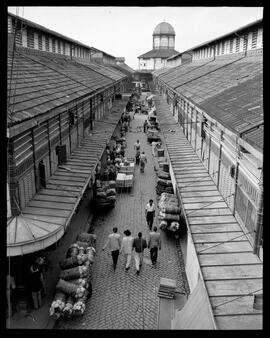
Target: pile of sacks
point(105, 193)
point(164, 183)
point(74, 285)
point(169, 212)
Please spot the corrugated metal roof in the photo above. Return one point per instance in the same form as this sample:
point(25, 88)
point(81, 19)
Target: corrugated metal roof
point(124, 68)
point(106, 71)
point(255, 137)
point(177, 72)
point(159, 53)
point(43, 81)
point(160, 71)
point(228, 90)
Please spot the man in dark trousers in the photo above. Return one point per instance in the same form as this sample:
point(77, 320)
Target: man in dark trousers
point(154, 244)
point(144, 126)
point(139, 244)
point(114, 242)
point(150, 213)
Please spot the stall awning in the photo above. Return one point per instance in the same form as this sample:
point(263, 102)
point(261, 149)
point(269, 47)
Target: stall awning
point(44, 220)
point(27, 233)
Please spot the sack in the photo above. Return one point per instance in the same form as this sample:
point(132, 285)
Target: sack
point(174, 226)
point(73, 273)
point(111, 199)
point(86, 237)
point(83, 244)
point(70, 289)
point(68, 309)
point(58, 304)
point(172, 217)
point(101, 194)
point(172, 209)
point(90, 251)
point(166, 167)
point(111, 192)
point(73, 250)
point(72, 262)
point(163, 225)
point(112, 184)
point(162, 174)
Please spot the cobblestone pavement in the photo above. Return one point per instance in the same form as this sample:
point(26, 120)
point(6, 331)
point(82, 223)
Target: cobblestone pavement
point(120, 299)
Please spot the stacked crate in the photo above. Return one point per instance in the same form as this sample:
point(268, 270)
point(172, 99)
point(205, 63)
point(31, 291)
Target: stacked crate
point(167, 288)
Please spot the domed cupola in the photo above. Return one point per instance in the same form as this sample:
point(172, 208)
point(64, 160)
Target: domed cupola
point(163, 36)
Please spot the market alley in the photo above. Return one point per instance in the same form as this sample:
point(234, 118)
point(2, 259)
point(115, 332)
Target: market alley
point(120, 299)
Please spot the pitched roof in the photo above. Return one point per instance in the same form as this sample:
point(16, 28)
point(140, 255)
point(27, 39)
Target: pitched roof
point(228, 89)
point(159, 53)
point(104, 70)
point(43, 81)
point(124, 66)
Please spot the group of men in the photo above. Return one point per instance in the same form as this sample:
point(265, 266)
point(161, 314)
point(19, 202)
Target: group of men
point(138, 244)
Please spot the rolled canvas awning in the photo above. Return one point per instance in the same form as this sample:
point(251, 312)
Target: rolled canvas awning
point(26, 235)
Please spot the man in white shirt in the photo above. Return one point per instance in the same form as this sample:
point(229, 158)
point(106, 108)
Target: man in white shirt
point(154, 146)
point(114, 242)
point(126, 247)
point(150, 213)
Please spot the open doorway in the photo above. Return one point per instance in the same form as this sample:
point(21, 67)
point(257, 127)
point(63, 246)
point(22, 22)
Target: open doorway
point(42, 174)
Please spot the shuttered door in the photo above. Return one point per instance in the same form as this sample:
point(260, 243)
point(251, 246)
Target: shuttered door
point(73, 139)
point(226, 182)
point(46, 161)
point(66, 143)
point(62, 154)
point(205, 151)
point(193, 129)
point(80, 109)
point(26, 188)
point(213, 165)
point(54, 159)
point(198, 140)
point(42, 173)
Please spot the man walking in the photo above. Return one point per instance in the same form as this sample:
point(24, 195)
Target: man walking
point(143, 161)
point(114, 242)
point(150, 213)
point(126, 247)
point(139, 244)
point(154, 244)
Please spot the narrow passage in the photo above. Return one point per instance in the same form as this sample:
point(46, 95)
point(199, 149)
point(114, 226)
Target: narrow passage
point(120, 299)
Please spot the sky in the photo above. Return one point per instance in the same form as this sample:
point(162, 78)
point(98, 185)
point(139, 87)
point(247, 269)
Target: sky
point(127, 31)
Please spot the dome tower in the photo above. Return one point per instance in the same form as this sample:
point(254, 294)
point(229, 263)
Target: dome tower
point(163, 36)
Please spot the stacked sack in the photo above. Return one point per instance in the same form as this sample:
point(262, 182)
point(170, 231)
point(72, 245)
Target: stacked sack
point(74, 285)
point(164, 183)
point(105, 193)
point(169, 212)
